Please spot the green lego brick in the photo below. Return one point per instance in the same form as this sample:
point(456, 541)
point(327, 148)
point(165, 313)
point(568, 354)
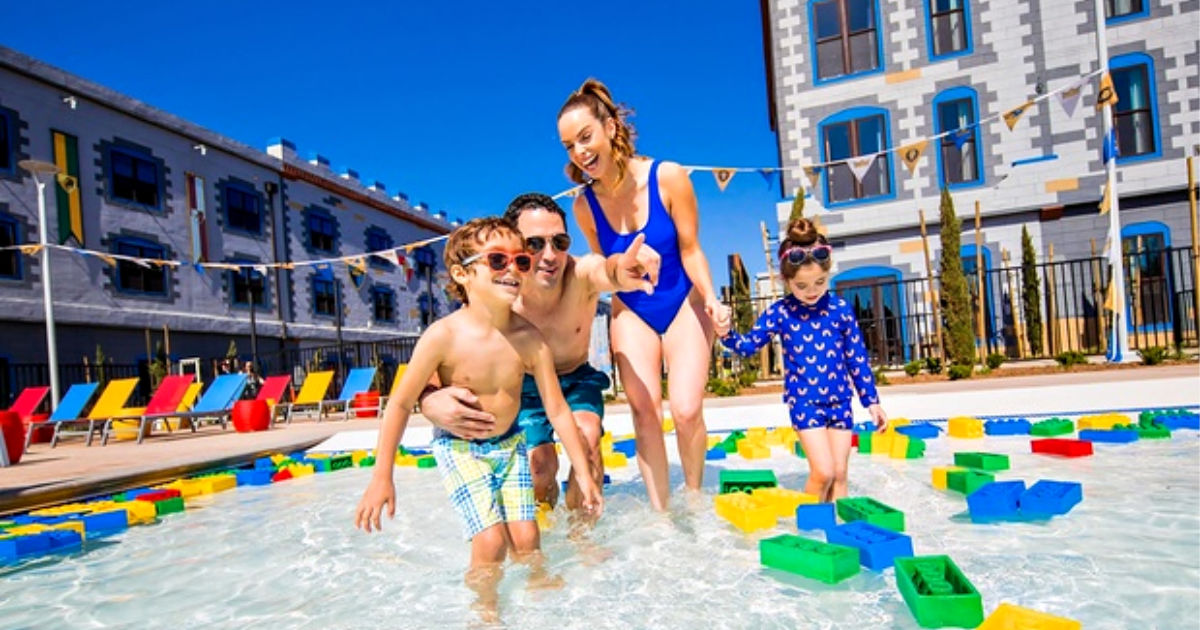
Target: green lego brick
point(872, 511)
point(338, 462)
point(426, 461)
point(729, 444)
point(746, 480)
point(1151, 429)
point(798, 449)
point(916, 448)
point(369, 460)
point(1052, 427)
point(811, 558)
point(981, 461)
point(168, 506)
point(864, 442)
point(937, 593)
point(967, 481)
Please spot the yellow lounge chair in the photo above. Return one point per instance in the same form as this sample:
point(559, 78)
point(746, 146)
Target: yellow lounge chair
point(111, 402)
point(312, 393)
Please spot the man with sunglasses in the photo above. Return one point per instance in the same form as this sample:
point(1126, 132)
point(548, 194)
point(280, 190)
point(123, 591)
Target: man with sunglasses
point(560, 298)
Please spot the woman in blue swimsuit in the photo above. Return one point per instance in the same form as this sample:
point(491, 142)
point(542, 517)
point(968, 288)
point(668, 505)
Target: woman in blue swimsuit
point(626, 195)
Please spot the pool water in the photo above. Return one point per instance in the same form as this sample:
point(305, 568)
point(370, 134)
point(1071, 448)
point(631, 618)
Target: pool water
point(287, 555)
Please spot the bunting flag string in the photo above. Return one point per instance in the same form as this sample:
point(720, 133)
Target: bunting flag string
point(911, 154)
point(1013, 115)
point(860, 166)
point(723, 177)
point(1068, 98)
point(1106, 95)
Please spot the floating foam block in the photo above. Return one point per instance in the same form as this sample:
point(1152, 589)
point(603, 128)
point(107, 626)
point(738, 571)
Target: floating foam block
point(746, 480)
point(356, 457)
point(981, 461)
point(628, 448)
point(1007, 426)
point(1173, 419)
point(1120, 436)
point(15, 547)
point(939, 475)
point(1103, 421)
point(744, 511)
point(1052, 427)
point(1048, 498)
point(864, 427)
point(881, 443)
point(1060, 446)
point(614, 460)
point(996, 501)
point(826, 562)
point(782, 500)
point(967, 481)
point(282, 475)
point(1010, 617)
point(965, 427)
point(877, 547)
point(922, 430)
point(872, 511)
point(715, 453)
point(668, 424)
point(253, 477)
point(937, 592)
point(729, 444)
point(866, 441)
point(105, 523)
point(749, 448)
point(815, 516)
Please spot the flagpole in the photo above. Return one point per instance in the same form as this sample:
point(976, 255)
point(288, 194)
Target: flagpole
point(1118, 350)
point(39, 170)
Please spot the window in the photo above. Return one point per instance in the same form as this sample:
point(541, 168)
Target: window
point(857, 132)
point(1134, 115)
point(1146, 277)
point(426, 260)
point(1124, 9)
point(242, 282)
point(846, 38)
point(7, 162)
point(383, 301)
point(379, 240)
point(322, 231)
point(958, 153)
point(324, 298)
point(873, 292)
point(133, 178)
point(10, 259)
point(135, 278)
point(243, 209)
point(949, 24)
point(970, 265)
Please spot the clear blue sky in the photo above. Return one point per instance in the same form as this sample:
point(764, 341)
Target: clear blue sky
point(452, 103)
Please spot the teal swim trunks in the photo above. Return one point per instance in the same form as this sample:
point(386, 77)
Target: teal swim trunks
point(584, 390)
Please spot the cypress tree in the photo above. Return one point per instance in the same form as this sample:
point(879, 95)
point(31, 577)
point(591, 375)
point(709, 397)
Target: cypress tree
point(958, 330)
point(797, 205)
point(1031, 297)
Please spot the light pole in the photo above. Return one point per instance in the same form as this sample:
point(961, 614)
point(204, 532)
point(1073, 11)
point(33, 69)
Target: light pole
point(41, 169)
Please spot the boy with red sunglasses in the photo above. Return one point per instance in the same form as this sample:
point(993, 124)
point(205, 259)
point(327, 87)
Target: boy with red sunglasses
point(487, 347)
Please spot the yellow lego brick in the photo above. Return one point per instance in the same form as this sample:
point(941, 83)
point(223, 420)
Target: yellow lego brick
point(543, 514)
point(606, 443)
point(668, 424)
point(31, 528)
point(186, 488)
point(898, 422)
point(138, 512)
point(713, 441)
point(939, 475)
point(899, 446)
point(358, 456)
point(1010, 617)
point(277, 457)
point(785, 436)
point(75, 526)
point(1104, 421)
point(744, 511)
point(316, 455)
point(750, 449)
point(215, 483)
point(782, 500)
point(757, 434)
point(615, 460)
point(406, 460)
point(303, 470)
point(965, 427)
point(881, 443)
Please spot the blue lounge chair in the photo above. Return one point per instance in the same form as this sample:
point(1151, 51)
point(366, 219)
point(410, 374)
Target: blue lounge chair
point(357, 381)
point(71, 407)
point(216, 403)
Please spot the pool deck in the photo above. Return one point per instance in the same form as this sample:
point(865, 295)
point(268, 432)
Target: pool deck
point(72, 471)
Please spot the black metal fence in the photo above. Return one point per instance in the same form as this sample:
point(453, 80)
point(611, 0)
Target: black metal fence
point(898, 324)
point(15, 377)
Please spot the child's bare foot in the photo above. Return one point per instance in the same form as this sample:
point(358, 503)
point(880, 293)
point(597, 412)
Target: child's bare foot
point(541, 580)
point(483, 580)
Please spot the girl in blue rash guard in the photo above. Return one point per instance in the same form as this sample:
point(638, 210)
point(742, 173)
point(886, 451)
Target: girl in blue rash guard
point(626, 195)
point(823, 357)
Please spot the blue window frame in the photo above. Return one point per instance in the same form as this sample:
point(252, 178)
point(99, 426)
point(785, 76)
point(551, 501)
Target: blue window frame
point(134, 278)
point(959, 161)
point(970, 270)
point(855, 132)
point(378, 240)
point(873, 293)
point(243, 208)
point(1135, 116)
point(8, 136)
point(383, 304)
point(10, 259)
point(322, 231)
point(1116, 11)
point(133, 177)
point(948, 28)
point(846, 39)
point(1147, 279)
point(324, 296)
point(242, 281)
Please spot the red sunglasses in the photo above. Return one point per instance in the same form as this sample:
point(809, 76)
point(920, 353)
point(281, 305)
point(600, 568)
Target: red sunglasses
point(499, 261)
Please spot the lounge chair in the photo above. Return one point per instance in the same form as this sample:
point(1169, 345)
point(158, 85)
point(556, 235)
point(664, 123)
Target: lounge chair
point(69, 408)
point(28, 402)
point(165, 400)
point(215, 404)
point(312, 393)
point(357, 381)
point(273, 390)
point(384, 396)
point(111, 402)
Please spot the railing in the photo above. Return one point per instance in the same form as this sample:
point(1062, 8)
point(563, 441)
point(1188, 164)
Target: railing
point(15, 377)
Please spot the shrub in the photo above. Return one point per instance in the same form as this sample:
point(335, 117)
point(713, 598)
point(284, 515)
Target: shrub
point(722, 387)
point(747, 378)
point(912, 368)
point(1154, 355)
point(933, 365)
point(995, 360)
point(1071, 358)
point(960, 371)
point(880, 378)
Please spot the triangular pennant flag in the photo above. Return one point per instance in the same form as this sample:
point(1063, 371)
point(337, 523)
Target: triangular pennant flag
point(287, 265)
point(911, 154)
point(141, 262)
point(574, 192)
point(723, 175)
point(1069, 97)
point(1111, 150)
point(1105, 203)
point(260, 270)
point(767, 173)
point(198, 267)
point(1013, 115)
point(112, 262)
point(860, 165)
point(389, 255)
point(814, 175)
point(1106, 95)
point(961, 137)
point(30, 250)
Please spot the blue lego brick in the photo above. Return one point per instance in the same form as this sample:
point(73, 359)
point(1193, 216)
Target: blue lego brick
point(254, 476)
point(715, 453)
point(1048, 498)
point(130, 495)
point(815, 516)
point(995, 501)
point(922, 430)
point(17, 547)
point(1117, 436)
point(263, 463)
point(1180, 420)
point(1007, 426)
point(320, 464)
point(627, 447)
point(877, 547)
point(64, 541)
point(105, 523)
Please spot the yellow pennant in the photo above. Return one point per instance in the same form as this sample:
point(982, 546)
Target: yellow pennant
point(1107, 95)
point(1013, 115)
point(30, 250)
point(814, 175)
point(357, 264)
point(112, 262)
point(1105, 201)
point(911, 154)
point(1108, 297)
point(573, 193)
point(287, 265)
point(723, 175)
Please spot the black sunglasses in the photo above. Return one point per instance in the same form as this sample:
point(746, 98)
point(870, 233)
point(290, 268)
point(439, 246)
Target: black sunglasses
point(560, 242)
point(499, 261)
point(797, 255)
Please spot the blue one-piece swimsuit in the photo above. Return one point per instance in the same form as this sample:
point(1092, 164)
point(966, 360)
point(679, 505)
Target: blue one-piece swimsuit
point(657, 310)
point(823, 353)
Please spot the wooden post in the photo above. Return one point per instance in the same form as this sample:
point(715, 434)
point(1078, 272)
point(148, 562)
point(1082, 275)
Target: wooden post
point(979, 273)
point(933, 297)
point(1018, 323)
point(149, 350)
point(1192, 192)
point(1051, 303)
point(1098, 298)
point(167, 346)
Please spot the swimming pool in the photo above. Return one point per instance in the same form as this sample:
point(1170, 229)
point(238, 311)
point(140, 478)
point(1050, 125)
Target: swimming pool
point(287, 555)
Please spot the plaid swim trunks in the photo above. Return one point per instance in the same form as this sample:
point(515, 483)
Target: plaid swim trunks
point(488, 480)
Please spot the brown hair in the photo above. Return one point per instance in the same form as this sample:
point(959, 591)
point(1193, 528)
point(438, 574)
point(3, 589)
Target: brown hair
point(803, 233)
point(466, 241)
point(595, 96)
